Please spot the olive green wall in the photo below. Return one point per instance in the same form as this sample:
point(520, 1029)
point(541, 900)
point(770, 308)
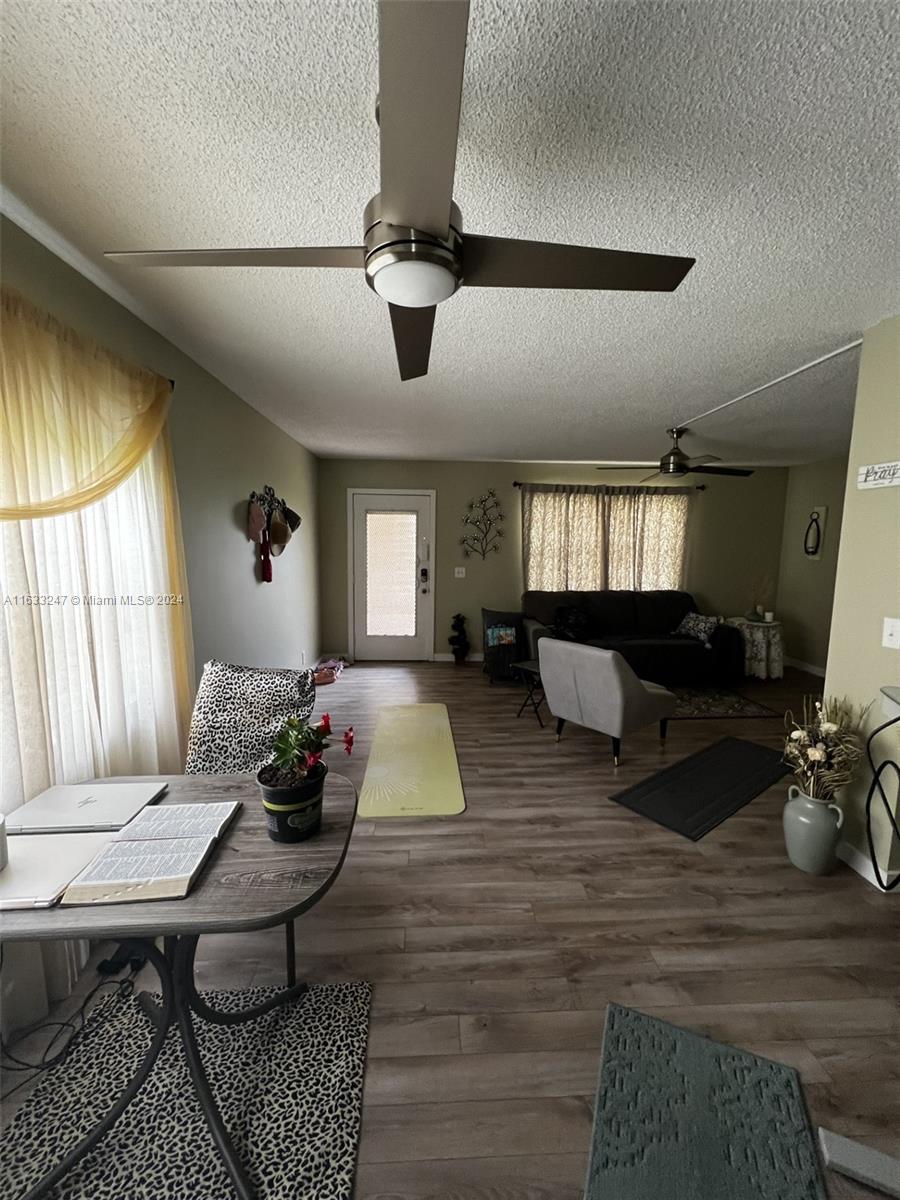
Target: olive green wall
point(734, 537)
point(867, 588)
point(806, 585)
point(223, 449)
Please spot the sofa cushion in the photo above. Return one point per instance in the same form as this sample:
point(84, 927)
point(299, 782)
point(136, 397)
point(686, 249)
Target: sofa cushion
point(661, 612)
point(610, 612)
point(542, 606)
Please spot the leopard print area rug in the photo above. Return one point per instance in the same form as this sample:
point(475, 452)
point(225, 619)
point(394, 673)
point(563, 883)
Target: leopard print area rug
point(700, 704)
point(289, 1086)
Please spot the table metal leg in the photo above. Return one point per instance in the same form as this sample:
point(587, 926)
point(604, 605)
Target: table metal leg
point(290, 954)
point(196, 1002)
point(100, 1130)
point(530, 702)
point(179, 999)
point(184, 987)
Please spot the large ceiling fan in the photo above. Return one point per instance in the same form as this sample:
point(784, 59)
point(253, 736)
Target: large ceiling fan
point(676, 462)
point(414, 252)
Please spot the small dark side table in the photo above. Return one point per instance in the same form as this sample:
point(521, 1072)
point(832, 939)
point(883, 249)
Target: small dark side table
point(529, 672)
point(249, 883)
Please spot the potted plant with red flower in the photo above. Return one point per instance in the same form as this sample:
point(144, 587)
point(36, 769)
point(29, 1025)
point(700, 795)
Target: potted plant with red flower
point(293, 782)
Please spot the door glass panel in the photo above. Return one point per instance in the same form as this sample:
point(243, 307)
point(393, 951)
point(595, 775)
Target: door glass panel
point(391, 585)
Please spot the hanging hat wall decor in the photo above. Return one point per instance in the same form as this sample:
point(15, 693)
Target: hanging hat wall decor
point(270, 523)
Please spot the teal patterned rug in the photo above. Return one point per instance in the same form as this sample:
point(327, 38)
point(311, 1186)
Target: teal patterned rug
point(679, 1117)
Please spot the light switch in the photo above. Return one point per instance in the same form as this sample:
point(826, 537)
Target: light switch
point(459, 572)
point(891, 635)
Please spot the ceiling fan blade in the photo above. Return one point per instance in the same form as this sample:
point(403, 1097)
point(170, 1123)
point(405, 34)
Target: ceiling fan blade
point(719, 471)
point(655, 475)
point(625, 466)
point(265, 256)
point(421, 54)
point(508, 262)
point(702, 458)
point(412, 338)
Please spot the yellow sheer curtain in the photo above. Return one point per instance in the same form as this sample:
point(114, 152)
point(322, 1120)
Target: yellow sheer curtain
point(75, 420)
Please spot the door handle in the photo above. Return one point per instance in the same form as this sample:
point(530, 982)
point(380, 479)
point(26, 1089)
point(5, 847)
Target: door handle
point(423, 577)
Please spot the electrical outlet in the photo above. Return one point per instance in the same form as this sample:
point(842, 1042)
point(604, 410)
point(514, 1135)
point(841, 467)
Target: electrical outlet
point(459, 572)
point(890, 636)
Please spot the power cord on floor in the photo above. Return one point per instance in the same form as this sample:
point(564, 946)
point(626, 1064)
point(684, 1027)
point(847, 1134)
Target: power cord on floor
point(123, 988)
point(877, 787)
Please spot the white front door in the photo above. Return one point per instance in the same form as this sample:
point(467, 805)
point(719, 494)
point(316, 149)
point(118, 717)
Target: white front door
point(391, 575)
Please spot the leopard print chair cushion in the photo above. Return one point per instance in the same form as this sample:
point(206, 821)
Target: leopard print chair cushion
point(238, 713)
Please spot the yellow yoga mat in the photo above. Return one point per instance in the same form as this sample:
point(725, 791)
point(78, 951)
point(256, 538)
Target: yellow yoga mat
point(412, 769)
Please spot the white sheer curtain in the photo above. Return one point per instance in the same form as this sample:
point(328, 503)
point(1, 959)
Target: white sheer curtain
point(90, 671)
point(582, 538)
point(95, 655)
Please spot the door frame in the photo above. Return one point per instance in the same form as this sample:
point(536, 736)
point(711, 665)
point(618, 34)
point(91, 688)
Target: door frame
point(431, 496)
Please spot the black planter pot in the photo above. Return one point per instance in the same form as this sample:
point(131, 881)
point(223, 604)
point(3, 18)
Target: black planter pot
point(294, 813)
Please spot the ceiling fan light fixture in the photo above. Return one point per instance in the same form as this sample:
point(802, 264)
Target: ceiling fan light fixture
point(411, 267)
point(414, 283)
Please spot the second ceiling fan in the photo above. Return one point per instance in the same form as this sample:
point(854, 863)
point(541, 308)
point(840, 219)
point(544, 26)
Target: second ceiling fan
point(676, 463)
point(414, 252)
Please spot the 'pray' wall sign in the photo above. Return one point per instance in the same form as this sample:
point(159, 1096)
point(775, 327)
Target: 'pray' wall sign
point(879, 475)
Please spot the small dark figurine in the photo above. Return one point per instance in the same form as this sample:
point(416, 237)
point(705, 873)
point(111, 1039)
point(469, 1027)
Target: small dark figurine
point(460, 640)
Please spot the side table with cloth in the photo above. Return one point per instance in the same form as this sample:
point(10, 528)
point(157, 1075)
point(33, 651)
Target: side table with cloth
point(763, 647)
point(249, 883)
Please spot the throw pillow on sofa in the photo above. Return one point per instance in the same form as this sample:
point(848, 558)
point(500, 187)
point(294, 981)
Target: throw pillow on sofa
point(572, 624)
point(694, 625)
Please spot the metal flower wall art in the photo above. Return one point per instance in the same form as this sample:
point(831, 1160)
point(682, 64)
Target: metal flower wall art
point(484, 526)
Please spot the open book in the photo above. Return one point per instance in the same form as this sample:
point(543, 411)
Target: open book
point(157, 856)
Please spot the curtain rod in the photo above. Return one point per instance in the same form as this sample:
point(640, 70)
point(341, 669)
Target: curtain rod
point(698, 487)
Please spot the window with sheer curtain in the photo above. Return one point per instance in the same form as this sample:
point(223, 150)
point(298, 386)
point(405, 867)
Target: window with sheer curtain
point(95, 653)
point(587, 538)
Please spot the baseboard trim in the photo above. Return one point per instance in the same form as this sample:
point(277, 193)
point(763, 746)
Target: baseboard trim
point(805, 666)
point(862, 865)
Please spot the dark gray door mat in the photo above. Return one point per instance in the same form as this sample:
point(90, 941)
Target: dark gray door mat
point(695, 795)
point(679, 1117)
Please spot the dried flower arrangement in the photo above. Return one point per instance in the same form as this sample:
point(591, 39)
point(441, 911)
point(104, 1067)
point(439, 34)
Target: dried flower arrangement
point(823, 749)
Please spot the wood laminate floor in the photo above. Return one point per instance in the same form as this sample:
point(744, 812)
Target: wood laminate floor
point(496, 939)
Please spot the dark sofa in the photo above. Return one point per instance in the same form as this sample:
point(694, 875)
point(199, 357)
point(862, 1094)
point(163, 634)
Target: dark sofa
point(640, 626)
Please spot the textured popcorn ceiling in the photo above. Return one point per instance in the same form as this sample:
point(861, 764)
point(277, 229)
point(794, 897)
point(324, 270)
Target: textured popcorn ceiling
point(759, 137)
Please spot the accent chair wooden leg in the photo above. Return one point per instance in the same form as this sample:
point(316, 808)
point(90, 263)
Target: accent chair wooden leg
point(617, 750)
point(560, 721)
point(663, 728)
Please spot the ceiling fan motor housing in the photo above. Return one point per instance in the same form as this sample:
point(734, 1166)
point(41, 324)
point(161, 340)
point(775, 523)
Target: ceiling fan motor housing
point(675, 461)
point(434, 270)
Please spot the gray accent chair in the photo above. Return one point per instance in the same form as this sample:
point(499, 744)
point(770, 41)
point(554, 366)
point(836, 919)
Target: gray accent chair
point(597, 688)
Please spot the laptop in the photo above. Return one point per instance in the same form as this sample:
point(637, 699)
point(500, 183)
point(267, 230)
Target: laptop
point(41, 867)
point(83, 807)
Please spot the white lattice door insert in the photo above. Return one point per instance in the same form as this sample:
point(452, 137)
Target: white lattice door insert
point(391, 575)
